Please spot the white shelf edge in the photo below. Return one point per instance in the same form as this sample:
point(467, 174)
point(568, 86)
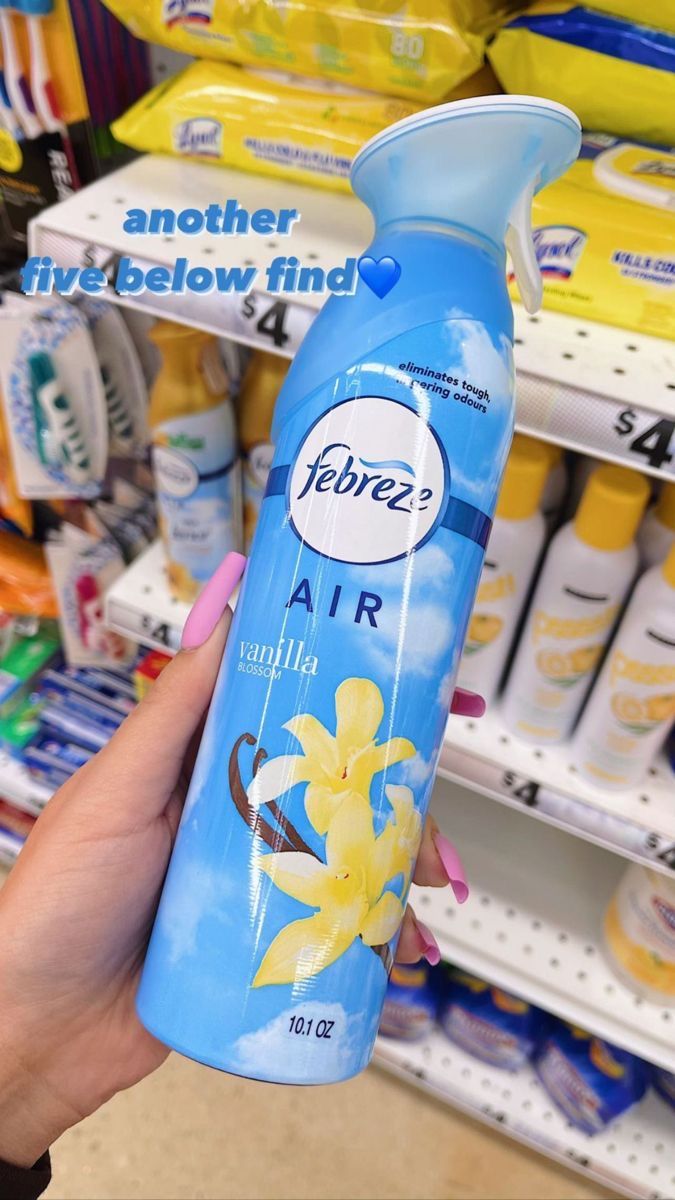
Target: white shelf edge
point(575, 376)
point(540, 780)
point(478, 1091)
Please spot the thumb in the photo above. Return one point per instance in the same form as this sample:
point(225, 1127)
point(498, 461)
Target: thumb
point(142, 763)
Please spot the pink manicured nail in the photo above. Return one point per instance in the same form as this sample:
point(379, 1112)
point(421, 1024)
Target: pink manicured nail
point(467, 704)
point(452, 865)
point(209, 607)
point(430, 949)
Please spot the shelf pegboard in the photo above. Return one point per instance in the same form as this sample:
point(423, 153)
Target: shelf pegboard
point(543, 781)
point(634, 1156)
point(533, 922)
point(606, 391)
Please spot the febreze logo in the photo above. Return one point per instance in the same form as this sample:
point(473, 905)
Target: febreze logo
point(187, 12)
point(200, 135)
point(369, 482)
point(558, 249)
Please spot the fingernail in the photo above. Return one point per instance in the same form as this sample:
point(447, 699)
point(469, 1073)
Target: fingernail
point(452, 865)
point(209, 606)
point(430, 949)
point(467, 704)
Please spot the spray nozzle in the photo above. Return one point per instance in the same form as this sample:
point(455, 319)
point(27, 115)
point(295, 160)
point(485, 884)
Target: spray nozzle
point(474, 164)
point(520, 245)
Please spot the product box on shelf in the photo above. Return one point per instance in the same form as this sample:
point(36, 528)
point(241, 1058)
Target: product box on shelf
point(605, 236)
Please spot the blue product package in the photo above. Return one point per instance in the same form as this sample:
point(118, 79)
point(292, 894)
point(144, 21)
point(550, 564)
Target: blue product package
point(71, 723)
point(410, 1004)
point(105, 686)
point(664, 1084)
point(48, 756)
point(84, 694)
point(590, 1080)
point(287, 886)
point(488, 1023)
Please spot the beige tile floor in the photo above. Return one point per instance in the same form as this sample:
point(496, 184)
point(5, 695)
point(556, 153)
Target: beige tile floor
point(189, 1133)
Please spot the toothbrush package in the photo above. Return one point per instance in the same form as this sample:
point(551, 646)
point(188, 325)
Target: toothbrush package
point(83, 567)
point(604, 236)
point(126, 393)
point(419, 49)
point(613, 74)
point(46, 148)
point(54, 400)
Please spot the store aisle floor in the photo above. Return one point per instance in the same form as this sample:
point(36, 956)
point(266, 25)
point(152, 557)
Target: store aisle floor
point(189, 1133)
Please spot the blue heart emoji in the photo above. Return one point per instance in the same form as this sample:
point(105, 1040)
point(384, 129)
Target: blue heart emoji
point(379, 274)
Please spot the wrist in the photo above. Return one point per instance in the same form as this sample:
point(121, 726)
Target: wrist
point(31, 1116)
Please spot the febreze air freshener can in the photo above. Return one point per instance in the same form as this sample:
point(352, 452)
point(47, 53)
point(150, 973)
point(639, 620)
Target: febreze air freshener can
point(282, 905)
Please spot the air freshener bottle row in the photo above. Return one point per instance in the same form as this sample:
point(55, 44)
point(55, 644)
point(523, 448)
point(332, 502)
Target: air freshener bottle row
point(589, 567)
point(631, 708)
point(195, 457)
point(286, 890)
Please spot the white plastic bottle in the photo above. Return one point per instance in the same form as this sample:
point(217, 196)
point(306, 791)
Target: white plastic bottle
point(632, 705)
point(657, 531)
point(512, 554)
point(640, 933)
point(586, 574)
point(555, 488)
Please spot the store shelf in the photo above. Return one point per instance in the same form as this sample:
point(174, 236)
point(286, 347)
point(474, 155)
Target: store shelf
point(639, 824)
point(543, 781)
point(634, 1156)
point(588, 386)
point(139, 604)
point(533, 921)
point(18, 786)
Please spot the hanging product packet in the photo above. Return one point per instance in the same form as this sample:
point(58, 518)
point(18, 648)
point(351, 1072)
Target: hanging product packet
point(54, 401)
point(618, 76)
point(420, 49)
point(269, 123)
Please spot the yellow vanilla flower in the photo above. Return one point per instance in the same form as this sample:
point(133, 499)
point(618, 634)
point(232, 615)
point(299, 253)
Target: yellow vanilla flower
point(333, 765)
point(396, 848)
point(347, 890)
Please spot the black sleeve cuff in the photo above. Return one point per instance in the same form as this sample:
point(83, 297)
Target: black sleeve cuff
point(19, 1183)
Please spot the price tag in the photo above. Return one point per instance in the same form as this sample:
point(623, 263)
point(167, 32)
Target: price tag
point(272, 323)
point(525, 790)
point(660, 849)
point(597, 424)
point(648, 439)
point(142, 627)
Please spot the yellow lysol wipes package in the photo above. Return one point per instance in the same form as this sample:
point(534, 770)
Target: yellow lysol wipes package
point(605, 236)
point(614, 75)
point(415, 48)
point(266, 123)
point(659, 13)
